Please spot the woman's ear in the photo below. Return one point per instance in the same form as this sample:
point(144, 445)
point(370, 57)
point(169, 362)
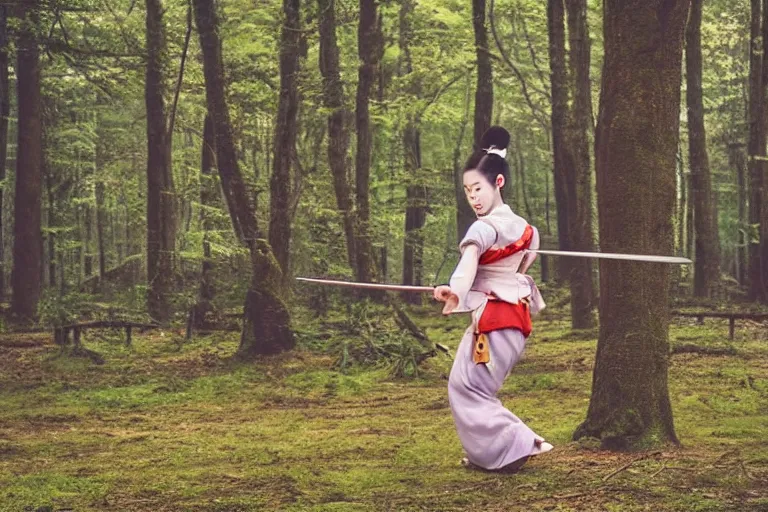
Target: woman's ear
point(500, 181)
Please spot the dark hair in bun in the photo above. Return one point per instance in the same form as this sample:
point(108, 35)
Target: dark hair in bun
point(491, 164)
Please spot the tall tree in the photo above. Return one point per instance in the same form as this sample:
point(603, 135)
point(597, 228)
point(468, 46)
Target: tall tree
point(161, 229)
point(636, 144)
point(416, 191)
point(756, 145)
point(760, 287)
point(101, 212)
point(5, 110)
point(563, 159)
point(208, 194)
point(737, 162)
point(707, 267)
point(580, 175)
point(369, 48)
point(484, 90)
point(27, 233)
point(266, 319)
point(285, 136)
point(338, 134)
point(51, 223)
point(483, 109)
point(100, 225)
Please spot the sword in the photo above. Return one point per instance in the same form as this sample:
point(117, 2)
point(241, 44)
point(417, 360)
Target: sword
point(429, 289)
point(616, 256)
point(373, 286)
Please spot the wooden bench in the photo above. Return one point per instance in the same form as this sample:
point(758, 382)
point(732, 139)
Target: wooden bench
point(61, 334)
point(731, 316)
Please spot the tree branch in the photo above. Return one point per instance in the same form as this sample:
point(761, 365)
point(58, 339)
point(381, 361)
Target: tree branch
point(181, 69)
point(537, 111)
point(439, 92)
point(532, 52)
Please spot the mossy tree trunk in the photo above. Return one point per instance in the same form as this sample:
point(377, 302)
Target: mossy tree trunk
point(636, 144)
point(5, 110)
point(338, 134)
point(27, 232)
point(756, 150)
point(563, 160)
point(101, 212)
point(285, 137)
point(738, 162)
point(580, 175)
point(707, 242)
point(161, 216)
point(760, 290)
point(464, 214)
point(370, 49)
point(416, 190)
point(266, 320)
point(208, 195)
point(483, 114)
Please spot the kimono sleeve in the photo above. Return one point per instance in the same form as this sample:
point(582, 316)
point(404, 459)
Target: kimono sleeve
point(480, 234)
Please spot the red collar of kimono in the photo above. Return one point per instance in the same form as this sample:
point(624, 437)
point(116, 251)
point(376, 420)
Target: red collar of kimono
point(493, 255)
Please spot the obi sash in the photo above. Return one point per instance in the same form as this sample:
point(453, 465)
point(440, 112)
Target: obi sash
point(504, 315)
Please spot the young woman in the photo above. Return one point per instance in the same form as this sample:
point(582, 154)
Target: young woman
point(490, 282)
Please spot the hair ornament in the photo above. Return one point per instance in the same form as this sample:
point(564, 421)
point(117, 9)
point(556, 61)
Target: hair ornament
point(494, 151)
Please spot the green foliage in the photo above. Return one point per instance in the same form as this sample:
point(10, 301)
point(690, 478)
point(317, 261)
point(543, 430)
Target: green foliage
point(54, 309)
point(370, 337)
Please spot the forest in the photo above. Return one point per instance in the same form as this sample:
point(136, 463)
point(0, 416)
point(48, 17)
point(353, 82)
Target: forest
point(168, 168)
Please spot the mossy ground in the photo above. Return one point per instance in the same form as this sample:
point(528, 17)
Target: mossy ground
point(166, 425)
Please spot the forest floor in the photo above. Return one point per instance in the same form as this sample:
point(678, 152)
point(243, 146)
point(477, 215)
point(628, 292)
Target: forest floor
point(167, 425)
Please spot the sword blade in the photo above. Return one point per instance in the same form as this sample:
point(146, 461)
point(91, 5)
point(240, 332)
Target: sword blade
point(617, 256)
point(372, 286)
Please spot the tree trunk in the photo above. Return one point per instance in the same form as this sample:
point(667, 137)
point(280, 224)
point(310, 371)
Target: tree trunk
point(338, 136)
point(736, 160)
point(636, 143)
point(484, 90)
point(285, 137)
point(483, 107)
point(5, 110)
point(580, 195)
point(160, 200)
point(563, 160)
point(208, 194)
point(416, 192)
point(27, 233)
point(464, 214)
point(522, 185)
point(762, 166)
point(369, 44)
point(266, 319)
point(755, 147)
point(100, 221)
point(545, 259)
point(51, 234)
point(707, 267)
point(690, 232)
point(87, 252)
point(415, 212)
point(100, 211)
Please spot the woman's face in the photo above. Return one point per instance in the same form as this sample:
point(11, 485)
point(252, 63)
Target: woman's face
point(481, 195)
